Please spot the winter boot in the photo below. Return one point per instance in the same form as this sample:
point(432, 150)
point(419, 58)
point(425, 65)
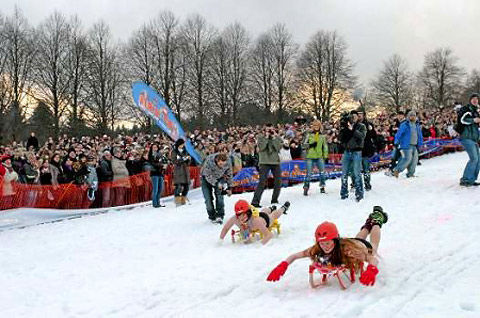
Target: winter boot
point(305, 191)
point(322, 189)
point(273, 208)
point(285, 207)
point(184, 200)
point(378, 216)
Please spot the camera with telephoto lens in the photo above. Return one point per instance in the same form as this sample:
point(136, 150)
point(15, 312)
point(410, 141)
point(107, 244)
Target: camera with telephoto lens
point(345, 118)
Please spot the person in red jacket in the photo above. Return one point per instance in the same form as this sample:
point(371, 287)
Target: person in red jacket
point(330, 250)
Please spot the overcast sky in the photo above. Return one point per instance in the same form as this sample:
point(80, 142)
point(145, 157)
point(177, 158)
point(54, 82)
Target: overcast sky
point(373, 29)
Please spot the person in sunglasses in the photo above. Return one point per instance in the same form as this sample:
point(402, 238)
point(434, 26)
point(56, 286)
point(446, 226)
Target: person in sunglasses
point(248, 219)
point(332, 251)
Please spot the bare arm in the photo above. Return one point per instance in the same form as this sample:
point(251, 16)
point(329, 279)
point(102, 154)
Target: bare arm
point(227, 227)
point(296, 256)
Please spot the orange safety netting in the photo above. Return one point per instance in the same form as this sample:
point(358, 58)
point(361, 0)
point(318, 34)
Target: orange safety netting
point(134, 189)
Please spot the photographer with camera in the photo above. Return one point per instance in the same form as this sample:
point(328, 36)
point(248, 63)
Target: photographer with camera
point(269, 145)
point(217, 178)
point(352, 136)
point(181, 172)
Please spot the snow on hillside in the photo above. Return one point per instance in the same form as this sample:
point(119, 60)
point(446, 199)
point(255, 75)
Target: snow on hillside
point(169, 262)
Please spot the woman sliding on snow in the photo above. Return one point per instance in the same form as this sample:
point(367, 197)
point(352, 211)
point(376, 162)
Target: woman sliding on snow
point(249, 219)
point(332, 255)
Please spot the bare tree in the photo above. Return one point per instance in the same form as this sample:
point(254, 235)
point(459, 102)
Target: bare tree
point(283, 50)
point(393, 85)
point(325, 73)
point(19, 53)
point(220, 69)
point(198, 38)
point(77, 68)
point(51, 74)
point(261, 72)
point(104, 78)
point(440, 79)
point(472, 84)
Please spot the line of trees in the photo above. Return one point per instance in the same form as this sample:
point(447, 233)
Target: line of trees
point(60, 76)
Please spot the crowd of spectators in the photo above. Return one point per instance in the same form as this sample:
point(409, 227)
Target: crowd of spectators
point(88, 160)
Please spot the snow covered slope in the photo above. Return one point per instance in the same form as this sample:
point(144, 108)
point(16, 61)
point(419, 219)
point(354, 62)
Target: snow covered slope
point(168, 262)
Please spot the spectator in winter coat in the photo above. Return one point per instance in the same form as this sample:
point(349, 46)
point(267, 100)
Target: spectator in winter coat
point(295, 150)
point(284, 153)
point(159, 163)
point(352, 136)
point(217, 178)
point(409, 137)
point(56, 170)
point(181, 172)
point(468, 125)
point(32, 142)
point(105, 174)
point(121, 182)
point(8, 177)
point(369, 147)
point(31, 169)
point(269, 145)
point(396, 151)
point(317, 152)
point(92, 178)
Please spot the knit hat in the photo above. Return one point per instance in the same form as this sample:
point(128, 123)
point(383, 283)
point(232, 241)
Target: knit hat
point(5, 158)
point(412, 113)
point(179, 142)
point(473, 96)
point(353, 112)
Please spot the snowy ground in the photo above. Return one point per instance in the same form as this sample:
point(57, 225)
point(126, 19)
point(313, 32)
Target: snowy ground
point(169, 263)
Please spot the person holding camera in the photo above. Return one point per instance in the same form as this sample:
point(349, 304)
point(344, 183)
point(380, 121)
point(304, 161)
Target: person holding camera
point(217, 178)
point(317, 152)
point(181, 172)
point(269, 145)
point(352, 136)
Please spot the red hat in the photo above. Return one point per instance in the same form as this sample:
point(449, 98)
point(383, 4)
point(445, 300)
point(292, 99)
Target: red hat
point(5, 158)
point(241, 206)
point(325, 232)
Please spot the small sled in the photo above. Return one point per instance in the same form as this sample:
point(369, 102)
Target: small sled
point(238, 235)
point(339, 272)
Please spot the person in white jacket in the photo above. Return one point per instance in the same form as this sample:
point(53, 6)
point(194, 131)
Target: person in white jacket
point(7, 188)
point(284, 153)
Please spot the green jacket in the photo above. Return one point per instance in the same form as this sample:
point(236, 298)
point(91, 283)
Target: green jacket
point(268, 150)
point(320, 150)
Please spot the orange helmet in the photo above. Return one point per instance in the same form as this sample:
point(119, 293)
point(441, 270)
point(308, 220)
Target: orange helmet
point(241, 206)
point(325, 232)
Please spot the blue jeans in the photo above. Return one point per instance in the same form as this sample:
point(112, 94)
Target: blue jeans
point(352, 162)
point(157, 183)
point(366, 172)
point(319, 163)
point(207, 190)
point(409, 159)
point(470, 174)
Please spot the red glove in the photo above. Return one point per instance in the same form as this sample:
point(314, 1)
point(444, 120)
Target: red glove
point(278, 272)
point(368, 277)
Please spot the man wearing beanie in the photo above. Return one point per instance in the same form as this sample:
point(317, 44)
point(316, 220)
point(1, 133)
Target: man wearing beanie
point(408, 138)
point(468, 123)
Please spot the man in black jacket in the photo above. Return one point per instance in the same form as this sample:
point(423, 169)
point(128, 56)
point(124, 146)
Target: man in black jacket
point(105, 174)
point(352, 136)
point(369, 147)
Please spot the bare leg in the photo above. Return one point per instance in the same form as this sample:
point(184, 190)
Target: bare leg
point(375, 235)
point(275, 214)
point(362, 234)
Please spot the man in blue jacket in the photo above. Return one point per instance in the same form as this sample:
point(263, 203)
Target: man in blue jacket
point(409, 137)
point(468, 123)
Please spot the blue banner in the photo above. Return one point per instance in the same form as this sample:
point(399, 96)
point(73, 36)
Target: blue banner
point(153, 105)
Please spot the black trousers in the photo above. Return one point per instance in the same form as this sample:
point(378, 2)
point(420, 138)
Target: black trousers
point(277, 176)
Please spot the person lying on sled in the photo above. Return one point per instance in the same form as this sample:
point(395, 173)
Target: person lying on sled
point(332, 250)
point(249, 219)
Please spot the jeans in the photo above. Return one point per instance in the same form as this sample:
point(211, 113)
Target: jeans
point(470, 174)
point(157, 183)
point(366, 172)
point(409, 159)
point(277, 176)
point(352, 162)
point(395, 157)
point(207, 190)
point(319, 163)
